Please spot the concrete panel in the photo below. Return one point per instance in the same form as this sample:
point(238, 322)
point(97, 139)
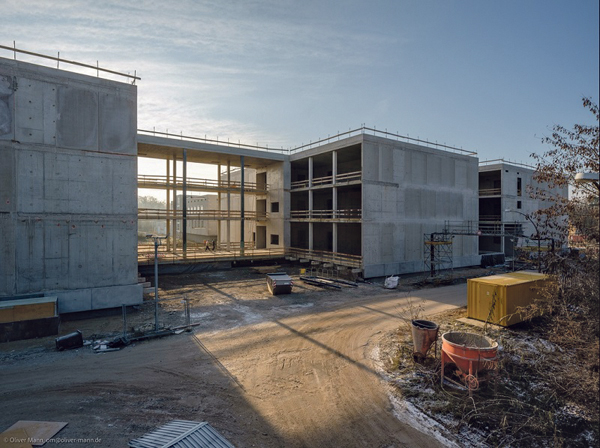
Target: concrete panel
point(7, 180)
point(30, 111)
point(73, 301)
point(413, 242)
point(124, 186)
point(6, 107)
point(386, 242)
point(118, 124)
point(391, 269)
point(399, 164)
point(389, 200)
point(50, 114)
point(386, 163)
point(370, 158)
point(56, 271)
point(115, 296)
point(374, 270)
point(29, 250)
point(77, 118)
point(428, 204)
point(372, 200)
point(448, 178)
point(30, 181)
point(412, 203)
point(7, 255)
point(418, 168)
point(473, 175)
point(460, 168)
point(79, 270)
point(434, 169)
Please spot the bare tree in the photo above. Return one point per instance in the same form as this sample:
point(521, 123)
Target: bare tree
point(570, 304)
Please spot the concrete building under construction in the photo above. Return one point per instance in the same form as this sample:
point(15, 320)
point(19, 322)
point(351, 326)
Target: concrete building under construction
point(69, 146)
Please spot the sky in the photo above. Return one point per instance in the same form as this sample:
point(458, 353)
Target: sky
point(487, 76)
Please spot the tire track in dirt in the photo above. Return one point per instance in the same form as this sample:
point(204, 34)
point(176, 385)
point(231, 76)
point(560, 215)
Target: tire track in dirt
point(311, 377)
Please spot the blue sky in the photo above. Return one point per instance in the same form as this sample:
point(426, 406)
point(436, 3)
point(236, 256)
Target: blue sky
point(488, 76)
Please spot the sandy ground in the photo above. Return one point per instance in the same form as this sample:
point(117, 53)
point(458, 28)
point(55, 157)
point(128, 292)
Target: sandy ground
point(298, 370)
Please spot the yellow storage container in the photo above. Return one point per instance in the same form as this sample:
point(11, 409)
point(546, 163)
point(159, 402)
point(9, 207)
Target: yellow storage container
point(507, 291)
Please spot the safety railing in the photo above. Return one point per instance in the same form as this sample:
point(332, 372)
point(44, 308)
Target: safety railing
point(212, 141)
point(299, 184)
point(154, 181)
point(509, 162)
point(490, 218)
point(291, 150)
point(376, 132)
point(355, 176)
point(338, 258)
point(200, 253)
point(149, 213)
point(325, 180)
point(58, 60)
point(490, 191)
point(326, 214)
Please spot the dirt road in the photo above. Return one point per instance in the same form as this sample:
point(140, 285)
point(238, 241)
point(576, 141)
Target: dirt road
point(295, 372)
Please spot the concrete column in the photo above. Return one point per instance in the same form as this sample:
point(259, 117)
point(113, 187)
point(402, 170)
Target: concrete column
point(168, 205)
point(219, 204)
point(310, 236)
point(310, 171)
point(242, 206)
point(184, 204)
point(174, 225)
point(228, 205)
point(310, 203)
point(334, 166)
point(334, 200)
point(335, 237)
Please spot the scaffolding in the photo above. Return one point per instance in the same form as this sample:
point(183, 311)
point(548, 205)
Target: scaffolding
point(437, 248)
point(438, 253)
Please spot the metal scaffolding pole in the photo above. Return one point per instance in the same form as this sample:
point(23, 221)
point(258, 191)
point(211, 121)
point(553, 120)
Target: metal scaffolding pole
point(242, 243)
point(184, 204)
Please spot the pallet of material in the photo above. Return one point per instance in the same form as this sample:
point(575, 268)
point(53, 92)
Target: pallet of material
point(315, 281)
point(338, 280)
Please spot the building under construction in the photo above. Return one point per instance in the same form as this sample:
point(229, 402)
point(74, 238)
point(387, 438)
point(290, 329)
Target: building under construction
point(70, 145)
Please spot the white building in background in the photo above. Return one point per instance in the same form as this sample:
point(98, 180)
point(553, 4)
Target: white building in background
point(505, 200)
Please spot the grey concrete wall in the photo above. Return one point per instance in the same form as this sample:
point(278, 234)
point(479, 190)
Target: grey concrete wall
point(68, 186)
point(408, 191)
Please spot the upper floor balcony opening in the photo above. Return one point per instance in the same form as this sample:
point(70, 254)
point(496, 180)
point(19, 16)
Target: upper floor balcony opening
point(324, 170)
point(490, 183)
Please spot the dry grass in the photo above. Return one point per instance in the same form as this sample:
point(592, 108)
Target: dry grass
point(541, 395)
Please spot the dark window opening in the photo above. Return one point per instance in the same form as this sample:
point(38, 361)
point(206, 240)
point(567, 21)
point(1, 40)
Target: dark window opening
point(518, 204)
point(274, 207)
point(275, 240)
point(518, 186)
